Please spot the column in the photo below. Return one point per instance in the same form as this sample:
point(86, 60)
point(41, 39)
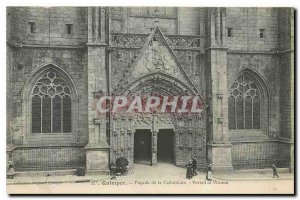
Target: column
point(97, 149)
point(154, 148)
point(292, 81)
point(154, 132)
point(219, 146)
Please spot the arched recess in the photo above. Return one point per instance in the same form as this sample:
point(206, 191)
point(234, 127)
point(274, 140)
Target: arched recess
point(163, 82)
point(248, 103)
point(51, 84)
point(189, 130)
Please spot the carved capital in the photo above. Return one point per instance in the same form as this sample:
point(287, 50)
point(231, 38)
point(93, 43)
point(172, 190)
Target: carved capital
point(220, 120)
point(115, 133)
point(210, 119)
point(97, 94)
point(109, 49)
point(97, 121)
point(219, 96)
point(223, 11)
point(129, 131)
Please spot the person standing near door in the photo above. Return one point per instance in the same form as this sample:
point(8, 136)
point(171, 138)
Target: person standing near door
point(194, 166)
point(189, 170)
point(209, 173)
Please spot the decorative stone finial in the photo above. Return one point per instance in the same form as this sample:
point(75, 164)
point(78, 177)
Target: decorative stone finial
point(156, 20)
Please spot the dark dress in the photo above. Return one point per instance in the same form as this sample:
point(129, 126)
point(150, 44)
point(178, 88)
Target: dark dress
point(121, 164)
point(10, 166)
point(112, 168)
point(189, 171)
point(209, 173)
point(194, 163)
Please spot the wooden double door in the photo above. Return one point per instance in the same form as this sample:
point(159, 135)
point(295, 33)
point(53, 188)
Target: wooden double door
point(143, 146)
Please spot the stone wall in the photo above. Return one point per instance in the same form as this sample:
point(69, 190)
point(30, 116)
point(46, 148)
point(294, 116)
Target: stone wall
point(248, 50)
point(97, 82)
point(87, 65)
point(245, 24)
point(184, 21)
point(266, 66)
point(286, 62)
point(26, 60)
point(28, 51)
point(9, 94)
point(188, 21)
point(98, 73)
point(49, 25)
point(260, 155)
point(265, 57)
point(49, 158)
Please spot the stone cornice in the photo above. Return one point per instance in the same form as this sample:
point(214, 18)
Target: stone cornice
point(219, 144)
point(260, 52)
point(21, 45)
point(12, 147)
point(262, 141)
point(94, 146)
point(216, 48)
point(96, 44)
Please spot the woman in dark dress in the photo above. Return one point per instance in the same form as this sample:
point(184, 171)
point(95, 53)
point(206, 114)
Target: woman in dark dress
point(194, 163)
point(122, 165)
point(189, 170)
point(209, 173)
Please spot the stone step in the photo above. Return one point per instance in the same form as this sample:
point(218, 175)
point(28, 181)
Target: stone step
point(46, 173)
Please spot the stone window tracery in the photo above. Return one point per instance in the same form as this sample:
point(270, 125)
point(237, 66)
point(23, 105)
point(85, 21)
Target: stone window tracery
point(51, 104)
point(245, 97)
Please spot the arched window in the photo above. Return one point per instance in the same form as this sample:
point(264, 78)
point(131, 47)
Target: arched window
point(51, 104)
point(246, 102)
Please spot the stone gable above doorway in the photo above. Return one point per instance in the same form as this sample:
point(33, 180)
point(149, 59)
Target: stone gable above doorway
point(157, 59)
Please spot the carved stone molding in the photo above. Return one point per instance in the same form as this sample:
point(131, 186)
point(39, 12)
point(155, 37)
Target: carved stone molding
point(177, 42)
point(128, 40)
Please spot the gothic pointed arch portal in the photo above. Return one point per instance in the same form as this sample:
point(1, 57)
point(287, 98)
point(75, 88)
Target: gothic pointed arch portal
point(156, 71)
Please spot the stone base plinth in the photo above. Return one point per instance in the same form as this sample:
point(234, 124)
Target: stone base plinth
point(97, 172)
point(97, 159)
point(220, 157)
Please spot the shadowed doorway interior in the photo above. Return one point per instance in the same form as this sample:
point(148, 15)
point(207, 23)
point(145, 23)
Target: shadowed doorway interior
point(142, 146)
point(165, 146)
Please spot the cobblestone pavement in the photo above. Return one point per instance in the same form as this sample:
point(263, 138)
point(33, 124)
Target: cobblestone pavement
point(162, 171)
point(163, 178)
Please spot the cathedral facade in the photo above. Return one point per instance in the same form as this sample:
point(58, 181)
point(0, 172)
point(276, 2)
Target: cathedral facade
point(238, 61)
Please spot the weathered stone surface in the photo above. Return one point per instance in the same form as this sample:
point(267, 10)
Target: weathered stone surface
point(97, 55)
